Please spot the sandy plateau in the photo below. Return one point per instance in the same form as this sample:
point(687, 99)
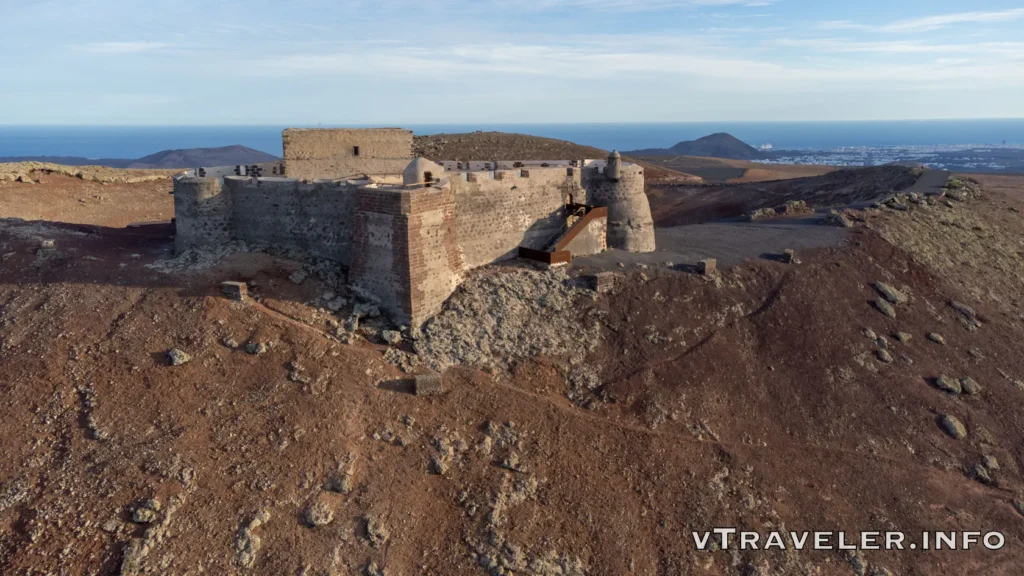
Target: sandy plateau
point(151, 425)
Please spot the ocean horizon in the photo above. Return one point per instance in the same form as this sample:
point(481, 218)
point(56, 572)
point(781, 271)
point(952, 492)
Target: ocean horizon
point(137, 141)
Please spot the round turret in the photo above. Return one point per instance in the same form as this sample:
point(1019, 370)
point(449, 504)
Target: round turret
point(614, 168)
point(421, 171)
point(630, 226)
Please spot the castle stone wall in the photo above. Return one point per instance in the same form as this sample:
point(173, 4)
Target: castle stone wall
point(312, 217)
point(515, 208)
point(323, 153)
point(405, 253)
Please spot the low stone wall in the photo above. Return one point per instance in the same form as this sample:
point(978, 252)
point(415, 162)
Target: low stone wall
point(313, 217)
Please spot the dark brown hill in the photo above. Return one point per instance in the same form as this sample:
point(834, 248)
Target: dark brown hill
point(719, 145)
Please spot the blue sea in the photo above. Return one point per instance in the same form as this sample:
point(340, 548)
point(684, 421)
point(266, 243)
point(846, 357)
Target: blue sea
point(139, 141)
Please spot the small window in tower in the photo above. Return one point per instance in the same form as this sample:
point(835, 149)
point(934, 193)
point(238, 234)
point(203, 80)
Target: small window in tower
point(355, 150)
point(428, 177)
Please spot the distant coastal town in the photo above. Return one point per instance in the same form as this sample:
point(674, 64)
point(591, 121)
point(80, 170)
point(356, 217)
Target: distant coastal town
point(966, 157)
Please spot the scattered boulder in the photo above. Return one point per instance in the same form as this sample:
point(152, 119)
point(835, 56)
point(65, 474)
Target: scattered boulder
point(964, 309)
point(229, 342)
point(884, 356)
point(937, 338)
point(885, 308)
point(438, 465)
point(1019, 506)
point(247, 543)
point(144, 516)
point(760, 214)
point(26, 179)
point(982, 474)
point(352, 323)
point(789, 256)
point(948, 384)
point(836, 218)
point(367, 310)
point(298, 277)
point(340, 482)
point(48, 245)
point(318, 513)
point(903, 337)
point(336, 304)
point(970, 386)
point(892, 295)
point(376, 532)
point(392, 337)
point(794, 208)
point(952, 426)
point(177, 357)
point(256, 348)
point(990, 462)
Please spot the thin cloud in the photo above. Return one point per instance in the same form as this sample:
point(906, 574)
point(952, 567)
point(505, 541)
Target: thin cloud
point(928, 23)
point(123, 47)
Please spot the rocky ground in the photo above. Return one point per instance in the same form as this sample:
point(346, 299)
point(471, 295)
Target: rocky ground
point(152, 425)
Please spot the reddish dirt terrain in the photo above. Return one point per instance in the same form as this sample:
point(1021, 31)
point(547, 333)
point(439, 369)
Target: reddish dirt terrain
point(673, 205)
point(720, 170)
point(56, 198)
point(754, 400)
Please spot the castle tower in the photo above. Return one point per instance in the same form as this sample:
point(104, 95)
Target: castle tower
point(620, 187)
point(203, 212)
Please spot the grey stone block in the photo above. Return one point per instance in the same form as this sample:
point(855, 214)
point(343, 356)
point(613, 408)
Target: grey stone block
point(429, 384)
point(237, 291)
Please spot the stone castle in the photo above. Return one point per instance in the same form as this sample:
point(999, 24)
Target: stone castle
point(406, 228)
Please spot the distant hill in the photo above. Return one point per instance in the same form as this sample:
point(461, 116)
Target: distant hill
point(720, 145)
point(187, 158)
point(223, 156)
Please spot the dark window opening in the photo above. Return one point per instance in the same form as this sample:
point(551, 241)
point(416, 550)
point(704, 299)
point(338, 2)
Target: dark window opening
point(355, 150)
point(428, 177)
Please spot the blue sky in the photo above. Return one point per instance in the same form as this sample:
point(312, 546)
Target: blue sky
point(191, 62)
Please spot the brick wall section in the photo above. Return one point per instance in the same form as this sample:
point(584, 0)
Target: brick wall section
point(317, 153)
point(494, 216)
point(203, 212)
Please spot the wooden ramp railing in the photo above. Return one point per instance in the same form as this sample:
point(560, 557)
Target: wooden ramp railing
point(558, 253)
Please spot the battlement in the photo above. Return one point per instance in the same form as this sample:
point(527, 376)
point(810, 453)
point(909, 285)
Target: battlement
point(408, 229)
